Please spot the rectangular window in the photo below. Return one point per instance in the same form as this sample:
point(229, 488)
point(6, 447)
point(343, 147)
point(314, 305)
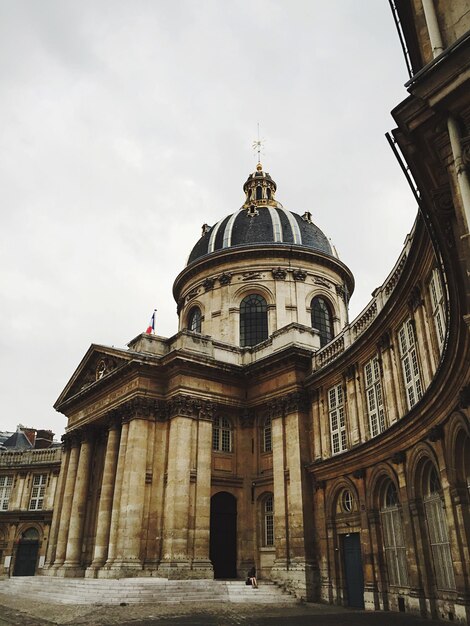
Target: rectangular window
point(37, 492)
point(410, 363)
point(375, 405)
point(439, 540)
point(6, 483)
point(438, 310)
point(269, 521)
point(337, 419)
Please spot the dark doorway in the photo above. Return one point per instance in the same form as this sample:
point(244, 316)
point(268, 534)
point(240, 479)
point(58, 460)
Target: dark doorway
point(223, 541)
point(353, 570)
point(27, 553)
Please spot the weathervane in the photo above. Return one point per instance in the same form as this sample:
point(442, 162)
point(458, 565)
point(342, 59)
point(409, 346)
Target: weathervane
point(257, 145)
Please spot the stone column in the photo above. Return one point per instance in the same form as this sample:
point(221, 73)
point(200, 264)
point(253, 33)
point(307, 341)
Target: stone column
point(106, 500)
point(176, 509)
point(117, 496)
point(281, 526)
point(201, 562)
point(78, 510)
point(57, 507)
point(64, 512)
point(303, 574)
point(133, 496)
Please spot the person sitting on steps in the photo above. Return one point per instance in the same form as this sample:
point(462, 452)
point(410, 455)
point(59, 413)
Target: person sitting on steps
point(252, 578)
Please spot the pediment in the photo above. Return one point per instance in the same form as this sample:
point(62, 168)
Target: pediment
point(98, 365)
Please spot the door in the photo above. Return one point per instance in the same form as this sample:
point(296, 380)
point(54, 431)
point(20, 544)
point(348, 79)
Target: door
point(353, 570)
point(26, 558)
point(223, 535)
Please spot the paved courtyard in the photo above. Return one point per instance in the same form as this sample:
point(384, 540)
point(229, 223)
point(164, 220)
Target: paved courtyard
point(28, 612)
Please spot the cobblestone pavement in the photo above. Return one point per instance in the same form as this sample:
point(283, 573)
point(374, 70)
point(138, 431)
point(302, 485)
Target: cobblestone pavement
point(30, 612)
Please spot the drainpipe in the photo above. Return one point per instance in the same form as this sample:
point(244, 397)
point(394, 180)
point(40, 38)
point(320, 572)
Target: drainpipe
point(433, 27)
point(452, 126)
point(462, 177)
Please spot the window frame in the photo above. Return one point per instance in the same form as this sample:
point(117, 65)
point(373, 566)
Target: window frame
point(195, 313)
point(267, 435)
point(38, 492)
point(438, 311)
point(409, 357)
point(268, 520)
point(325, 324)
point(374, 396)
point(222, 435)
point(393, 538)
point(254, 327)
point(5, 490)
point(337, 419)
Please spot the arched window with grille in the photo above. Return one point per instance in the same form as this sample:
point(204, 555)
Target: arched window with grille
point(194, 320)
point(322, 319)
point(222, 435)
point(268, 520)
point(253, 320)
point(437, 529)
point(393, 536)
point(267, 435)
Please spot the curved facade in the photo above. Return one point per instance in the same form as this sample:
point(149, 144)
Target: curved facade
point(271, 430)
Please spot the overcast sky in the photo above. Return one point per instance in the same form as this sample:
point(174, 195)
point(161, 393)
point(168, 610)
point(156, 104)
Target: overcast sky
point(127, 125)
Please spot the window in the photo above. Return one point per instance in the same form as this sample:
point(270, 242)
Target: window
point(222, 435)
point(6, 483)
point(375, 406)
point(437, 530)
point(347, 501)
point(410, 363)
point(268, 517)
point(194, 320)
point(321, 320)
point(337, 420)
point(438, 310)
point(37, 492)
point(267, 435)
point(393, 537)
point(259, 193)
point(253, 320)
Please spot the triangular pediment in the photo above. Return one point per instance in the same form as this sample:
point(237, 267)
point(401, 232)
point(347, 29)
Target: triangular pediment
point(97, 366)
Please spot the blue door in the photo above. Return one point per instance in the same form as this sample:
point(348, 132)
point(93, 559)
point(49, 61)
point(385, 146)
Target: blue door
point(353, 570)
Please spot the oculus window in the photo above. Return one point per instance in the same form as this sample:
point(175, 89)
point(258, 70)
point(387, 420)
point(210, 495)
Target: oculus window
point(253, 320)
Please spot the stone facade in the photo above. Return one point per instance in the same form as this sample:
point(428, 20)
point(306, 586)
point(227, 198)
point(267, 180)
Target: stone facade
point(333, 455)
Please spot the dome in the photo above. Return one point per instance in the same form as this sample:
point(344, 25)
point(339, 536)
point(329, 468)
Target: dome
point(261, 220)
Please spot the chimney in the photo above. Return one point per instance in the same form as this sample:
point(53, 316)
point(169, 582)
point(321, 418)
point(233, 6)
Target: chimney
point(44, 439)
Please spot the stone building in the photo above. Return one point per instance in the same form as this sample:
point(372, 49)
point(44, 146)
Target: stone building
point(270, 429)
point(29, 469)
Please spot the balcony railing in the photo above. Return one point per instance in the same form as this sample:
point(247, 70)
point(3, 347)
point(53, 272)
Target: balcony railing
point(15, 458)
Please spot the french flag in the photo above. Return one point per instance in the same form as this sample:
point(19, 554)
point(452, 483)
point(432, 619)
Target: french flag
point(151, 327)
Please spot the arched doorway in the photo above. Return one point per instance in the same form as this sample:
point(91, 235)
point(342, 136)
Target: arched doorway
point(27, 553)
point(223, 535)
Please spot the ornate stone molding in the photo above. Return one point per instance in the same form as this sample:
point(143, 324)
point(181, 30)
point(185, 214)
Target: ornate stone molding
point(279, 274)
point(399, 457)
point(225, 278)
point(208, 284)
point(289, 403)
point(415, 299)
point(299, 275)
point(254, 275)
point(187, 406)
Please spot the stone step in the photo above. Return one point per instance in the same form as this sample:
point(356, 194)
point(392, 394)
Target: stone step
point(139, 590)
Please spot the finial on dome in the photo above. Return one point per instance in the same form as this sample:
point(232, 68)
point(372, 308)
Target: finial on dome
point(259, 167)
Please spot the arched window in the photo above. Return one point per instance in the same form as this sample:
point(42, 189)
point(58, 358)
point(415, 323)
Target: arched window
point(437, 529)
point(253, 320)
point(268, 520)
point(268, 193)
point(267, 436)
point(322, 320)
point(393, 537)
point(194, 320)
point(259, 193)
point(222, 435)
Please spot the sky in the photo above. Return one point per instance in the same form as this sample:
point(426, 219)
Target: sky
point(125, 126)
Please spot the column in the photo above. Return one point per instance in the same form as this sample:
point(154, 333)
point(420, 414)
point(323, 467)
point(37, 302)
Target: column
point(176, 509)
point(57, 506)
point(64, 512)
point(106, 500)
point(117, 495)
point(133, 495)
point(281, 527)
point(78, 509)
point(201, 561)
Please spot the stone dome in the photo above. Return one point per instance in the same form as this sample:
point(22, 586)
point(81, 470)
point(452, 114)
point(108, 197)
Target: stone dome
point(261, 220)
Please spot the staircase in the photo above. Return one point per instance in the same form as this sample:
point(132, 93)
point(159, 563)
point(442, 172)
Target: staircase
point(141, 590)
